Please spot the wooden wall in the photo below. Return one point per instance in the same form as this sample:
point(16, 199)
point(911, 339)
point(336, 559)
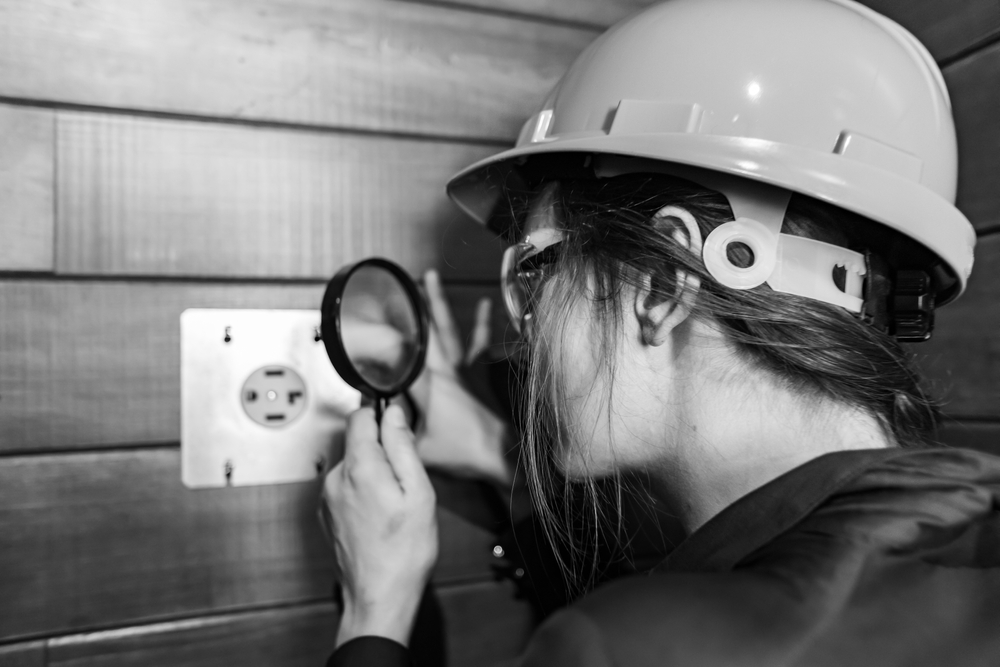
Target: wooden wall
point(162, 155)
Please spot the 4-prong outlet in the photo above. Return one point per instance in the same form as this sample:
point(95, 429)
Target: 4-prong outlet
point(274, 396)
point(260, 400)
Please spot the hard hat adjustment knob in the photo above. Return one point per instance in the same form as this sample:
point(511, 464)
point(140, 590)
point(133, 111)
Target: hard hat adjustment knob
point(911, 307)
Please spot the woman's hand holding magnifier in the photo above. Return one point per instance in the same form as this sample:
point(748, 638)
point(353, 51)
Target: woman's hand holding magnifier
point(379, 505)
point(384, 527)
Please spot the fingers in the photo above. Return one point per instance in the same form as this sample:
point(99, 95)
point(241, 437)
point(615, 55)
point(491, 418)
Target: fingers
point(374, 342)
point(361, 448)
point(399, 450)
point(437, 356)
point(480, 331)
point(448, 338)
point(367, 462)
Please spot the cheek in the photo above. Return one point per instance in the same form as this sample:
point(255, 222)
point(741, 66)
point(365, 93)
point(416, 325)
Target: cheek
point(576, 367)
point(582, 395)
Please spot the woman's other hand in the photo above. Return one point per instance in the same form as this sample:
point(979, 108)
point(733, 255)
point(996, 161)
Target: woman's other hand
point(384, 527)
point(458, 434)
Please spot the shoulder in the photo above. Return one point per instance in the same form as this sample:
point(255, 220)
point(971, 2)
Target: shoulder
point(568, 637)
point(659, 619)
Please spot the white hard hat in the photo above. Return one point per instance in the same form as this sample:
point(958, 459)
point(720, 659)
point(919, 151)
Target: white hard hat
point(820, 97)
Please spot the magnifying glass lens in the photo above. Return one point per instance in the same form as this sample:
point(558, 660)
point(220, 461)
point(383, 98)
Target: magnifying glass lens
point(379, 328)
point(375, 328)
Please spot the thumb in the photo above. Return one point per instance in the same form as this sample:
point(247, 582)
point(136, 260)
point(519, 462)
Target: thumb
point(397, 440)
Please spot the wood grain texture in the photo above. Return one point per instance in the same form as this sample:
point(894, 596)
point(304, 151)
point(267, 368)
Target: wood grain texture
point(27, 176)
point(98, 363)
point(298, 636)
point(370, 64)
point(975, 98)
point(962, 359)
point(945, 27)
point(153, 197)
point(482, 625)
point(984, 436)
point(598, 13)
point(25, 654)
point(99, 539)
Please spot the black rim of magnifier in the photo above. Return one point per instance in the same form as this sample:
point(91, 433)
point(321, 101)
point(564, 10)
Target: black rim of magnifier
point(330, 324)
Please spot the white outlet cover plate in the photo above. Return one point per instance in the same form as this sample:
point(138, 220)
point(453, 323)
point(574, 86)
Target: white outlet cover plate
point(218, 436)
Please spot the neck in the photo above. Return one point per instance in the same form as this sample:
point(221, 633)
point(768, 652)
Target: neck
point(737, 436)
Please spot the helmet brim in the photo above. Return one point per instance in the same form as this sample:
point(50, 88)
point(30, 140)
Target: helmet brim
point(884, 197)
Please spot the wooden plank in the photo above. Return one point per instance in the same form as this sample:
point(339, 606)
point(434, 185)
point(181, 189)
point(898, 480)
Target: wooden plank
point(99, 539)
point(25, 654)
point(87, 363)
point(962, 359)
point(975, 98)
point(945, 27)
point(984, 436)
point(597, 13)
point(482, 625)
point(289, 637)
point(27, 166)
point(371, 64)
point(153, 197)
point(98, 363)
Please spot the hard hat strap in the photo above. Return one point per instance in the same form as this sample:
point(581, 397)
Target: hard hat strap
point(788, 264)
point(806, 267)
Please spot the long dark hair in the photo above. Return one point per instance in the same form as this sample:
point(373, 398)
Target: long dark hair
point(817, 350)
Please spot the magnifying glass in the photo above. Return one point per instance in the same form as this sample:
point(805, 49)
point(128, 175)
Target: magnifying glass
point(375, 325)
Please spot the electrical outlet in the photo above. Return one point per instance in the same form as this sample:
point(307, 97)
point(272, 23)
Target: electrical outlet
point(274, 396)
point(260, 400)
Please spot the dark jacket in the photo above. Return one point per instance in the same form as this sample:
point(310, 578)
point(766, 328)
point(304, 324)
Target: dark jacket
point(874, 557)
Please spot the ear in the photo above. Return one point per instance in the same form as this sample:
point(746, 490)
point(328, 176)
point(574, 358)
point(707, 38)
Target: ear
point(659, 316)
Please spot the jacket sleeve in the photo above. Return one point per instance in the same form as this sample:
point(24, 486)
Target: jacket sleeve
point(567, 639)
point(370, 652)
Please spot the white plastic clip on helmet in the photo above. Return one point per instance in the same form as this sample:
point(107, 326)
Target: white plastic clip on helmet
point(759, 99)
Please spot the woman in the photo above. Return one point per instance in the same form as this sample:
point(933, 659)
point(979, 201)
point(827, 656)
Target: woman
point(724, 219)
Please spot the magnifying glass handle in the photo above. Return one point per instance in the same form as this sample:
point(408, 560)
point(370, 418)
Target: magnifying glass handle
point(379, 409)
